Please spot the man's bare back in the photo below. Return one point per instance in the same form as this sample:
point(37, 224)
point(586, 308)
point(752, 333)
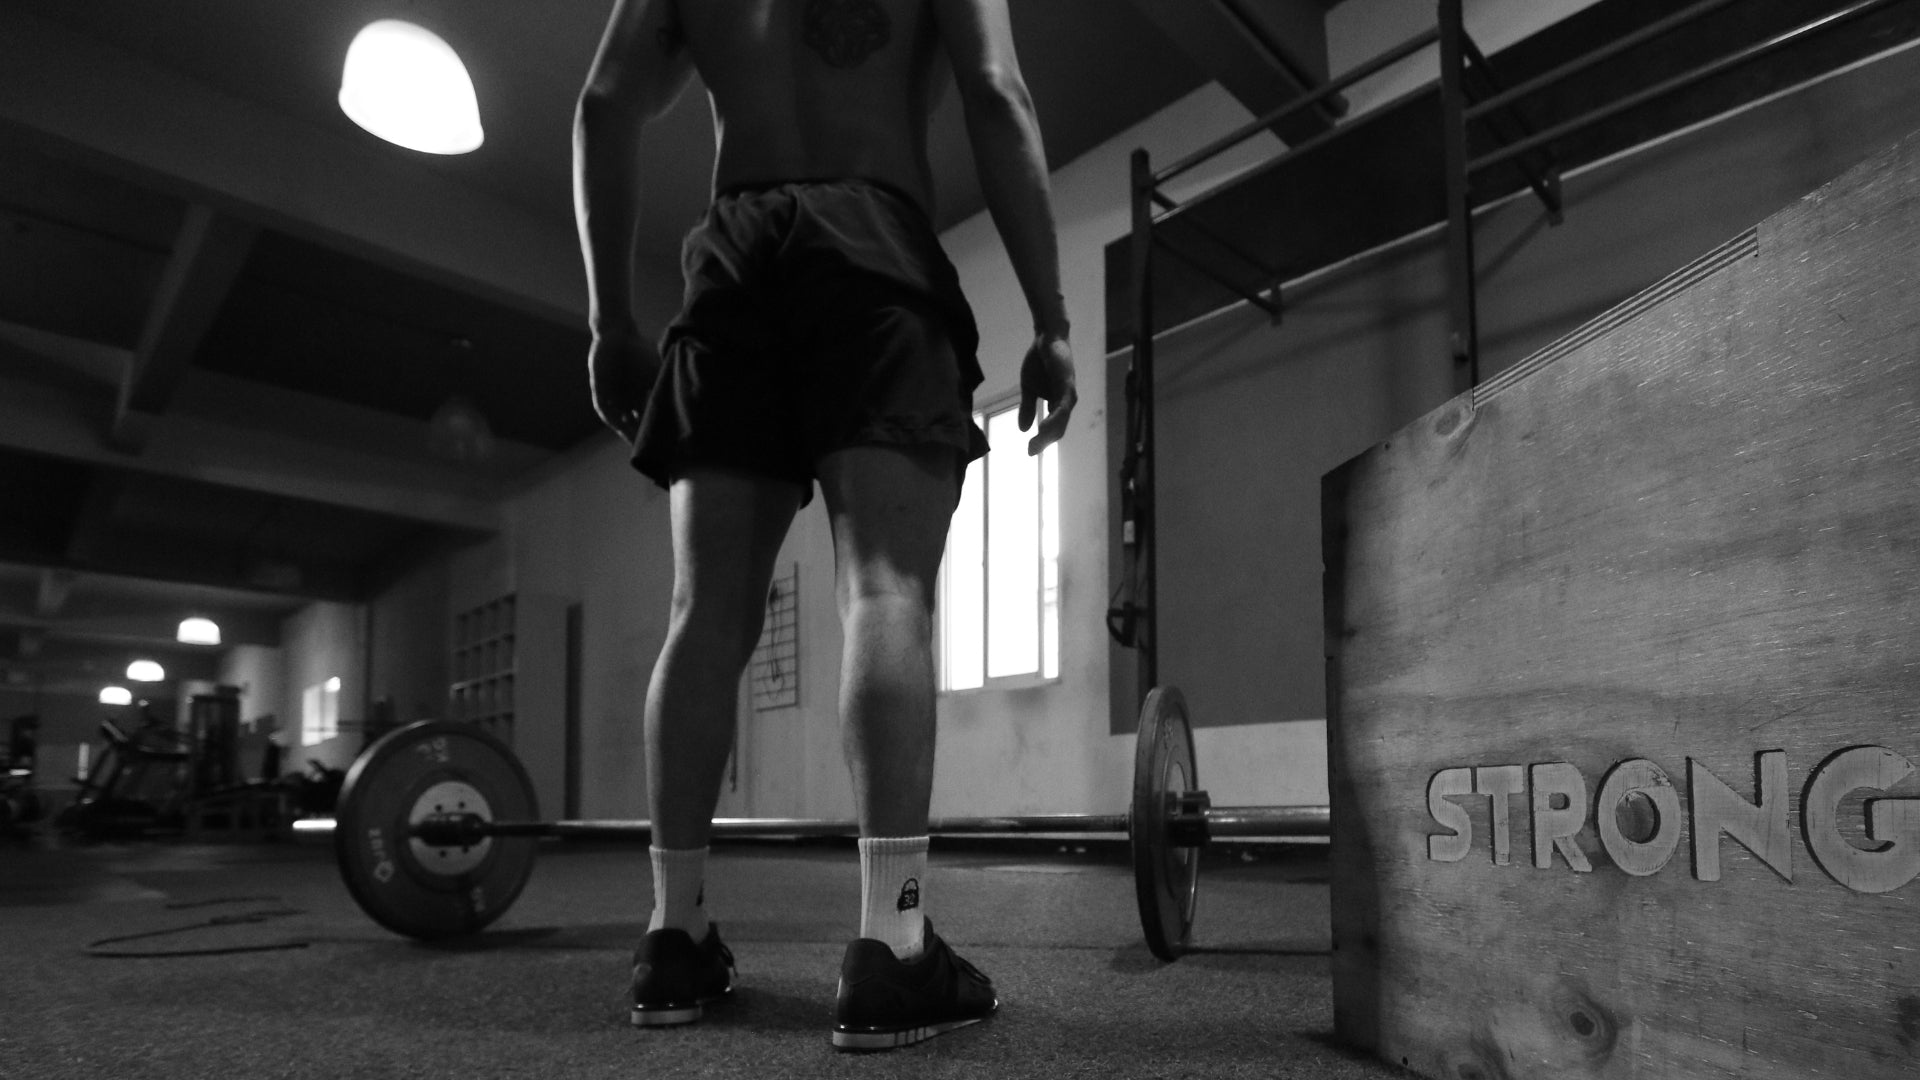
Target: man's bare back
point(807, 89)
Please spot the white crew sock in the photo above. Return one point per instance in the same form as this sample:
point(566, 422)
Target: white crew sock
point(893, 885)
point(679, 890)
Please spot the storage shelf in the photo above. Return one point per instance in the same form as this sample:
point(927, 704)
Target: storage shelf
point(482, 691)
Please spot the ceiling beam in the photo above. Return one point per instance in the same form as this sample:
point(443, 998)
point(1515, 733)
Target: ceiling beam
point(353, 194)
point(191, 560)
point(1265, 54)
point(88, 361)
point(1292, 32)
point(134, 621)
point(206, 261)
point(51, 596)
point(112, 606)
point(41, 418)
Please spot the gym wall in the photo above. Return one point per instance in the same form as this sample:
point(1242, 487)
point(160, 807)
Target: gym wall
point(1251, 417)
point(260, 671)
point(323, 641)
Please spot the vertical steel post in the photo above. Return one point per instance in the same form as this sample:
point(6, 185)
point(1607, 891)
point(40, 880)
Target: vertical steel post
point(1464, 331)
point(1145, 538)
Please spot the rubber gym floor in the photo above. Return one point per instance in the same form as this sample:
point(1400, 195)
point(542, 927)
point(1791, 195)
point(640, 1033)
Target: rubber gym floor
point(169, 959)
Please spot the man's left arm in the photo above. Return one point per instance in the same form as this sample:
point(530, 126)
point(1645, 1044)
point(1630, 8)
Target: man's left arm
point(641, 69)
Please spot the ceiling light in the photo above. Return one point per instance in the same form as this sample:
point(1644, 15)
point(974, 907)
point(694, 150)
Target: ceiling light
point(145, 671)
point(115, 695)
point(404, 84)
point(198, 631)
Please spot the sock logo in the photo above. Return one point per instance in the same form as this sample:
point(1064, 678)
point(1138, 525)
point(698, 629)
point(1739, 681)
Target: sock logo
point(909, 895)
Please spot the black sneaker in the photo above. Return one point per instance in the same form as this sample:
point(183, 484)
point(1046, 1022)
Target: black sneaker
point(674, 979)
point(884, 1002)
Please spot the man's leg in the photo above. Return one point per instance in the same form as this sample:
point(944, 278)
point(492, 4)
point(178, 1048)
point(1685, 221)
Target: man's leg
point(899, 983)
point(727, 531)
point(889, 507)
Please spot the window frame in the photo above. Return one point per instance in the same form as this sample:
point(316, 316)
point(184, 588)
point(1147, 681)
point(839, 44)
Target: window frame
point(1026, 680)
point(326, 721)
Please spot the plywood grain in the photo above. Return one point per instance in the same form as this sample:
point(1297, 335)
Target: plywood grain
point(1678, 566)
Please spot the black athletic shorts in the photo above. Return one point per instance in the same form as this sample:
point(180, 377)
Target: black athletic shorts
point(818, 315)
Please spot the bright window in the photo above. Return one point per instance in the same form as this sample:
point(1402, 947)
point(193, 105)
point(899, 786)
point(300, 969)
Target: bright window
point(320, 712)
point(1000, 580)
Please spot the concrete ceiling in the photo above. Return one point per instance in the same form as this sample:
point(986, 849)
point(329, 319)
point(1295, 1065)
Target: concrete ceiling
point(229, 318)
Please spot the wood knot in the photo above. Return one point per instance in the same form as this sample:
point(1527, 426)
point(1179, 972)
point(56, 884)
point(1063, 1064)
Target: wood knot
point(1586, 1023)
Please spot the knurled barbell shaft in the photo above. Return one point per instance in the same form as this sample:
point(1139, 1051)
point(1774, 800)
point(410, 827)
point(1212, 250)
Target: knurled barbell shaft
point(1221, 821)
point(725, 827)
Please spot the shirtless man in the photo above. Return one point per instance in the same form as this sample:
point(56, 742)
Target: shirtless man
point(823, 338)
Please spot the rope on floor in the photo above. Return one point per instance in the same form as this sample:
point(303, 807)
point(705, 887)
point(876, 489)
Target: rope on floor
point(244, 918)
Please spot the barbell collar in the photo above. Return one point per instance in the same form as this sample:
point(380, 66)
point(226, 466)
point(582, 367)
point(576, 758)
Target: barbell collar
point(1186, 825)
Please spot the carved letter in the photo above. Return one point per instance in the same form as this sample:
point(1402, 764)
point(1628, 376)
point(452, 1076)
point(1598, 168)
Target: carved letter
point(1760, 825)
point(1639, 858)
point(1556, 828)
point(1498, 783)
point(1449, 847)
point(1894, 824)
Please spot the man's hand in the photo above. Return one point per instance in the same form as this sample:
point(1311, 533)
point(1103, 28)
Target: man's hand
point(1047, 375)
point(621, 368)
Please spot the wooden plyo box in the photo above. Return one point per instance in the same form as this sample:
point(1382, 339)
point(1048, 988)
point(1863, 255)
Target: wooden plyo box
point(1624, 681)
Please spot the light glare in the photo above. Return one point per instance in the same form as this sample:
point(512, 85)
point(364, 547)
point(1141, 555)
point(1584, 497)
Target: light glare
point(110, 695)
point(406, 85)
point(197, 631)
point(145, 671)
point(1013, 551)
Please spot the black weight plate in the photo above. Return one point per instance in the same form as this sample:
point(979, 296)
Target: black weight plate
point(1166, 878)
point(402, 884)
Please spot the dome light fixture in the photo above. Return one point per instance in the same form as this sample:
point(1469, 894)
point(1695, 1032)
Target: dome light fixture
point(145, 671)
point(112, 695)
point(199, 631)
point(405, 84)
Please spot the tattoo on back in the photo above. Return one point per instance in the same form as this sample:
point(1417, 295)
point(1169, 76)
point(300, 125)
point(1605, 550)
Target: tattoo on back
point(846, 32)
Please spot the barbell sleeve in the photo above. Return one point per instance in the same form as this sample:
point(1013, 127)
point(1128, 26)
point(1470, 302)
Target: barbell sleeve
point(1268, 821)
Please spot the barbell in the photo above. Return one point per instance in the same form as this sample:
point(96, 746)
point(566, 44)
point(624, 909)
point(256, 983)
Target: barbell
point(436, 824)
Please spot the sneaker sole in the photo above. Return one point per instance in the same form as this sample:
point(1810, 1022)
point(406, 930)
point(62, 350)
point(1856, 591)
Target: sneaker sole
point(888, 1040)
point(682, 1014)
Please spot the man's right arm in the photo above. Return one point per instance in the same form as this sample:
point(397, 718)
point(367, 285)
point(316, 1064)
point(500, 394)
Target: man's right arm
point(1005, 135)
point(640, 70)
